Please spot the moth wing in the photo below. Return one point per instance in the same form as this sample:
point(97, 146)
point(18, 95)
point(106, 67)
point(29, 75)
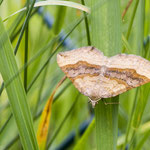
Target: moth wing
point(98, 87)
point(98, 76)
point(137, 63)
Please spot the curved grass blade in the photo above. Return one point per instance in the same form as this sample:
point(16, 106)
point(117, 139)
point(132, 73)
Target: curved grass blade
point(16, 93)
point(45, 119)
point(53, 2)
point(62, 123)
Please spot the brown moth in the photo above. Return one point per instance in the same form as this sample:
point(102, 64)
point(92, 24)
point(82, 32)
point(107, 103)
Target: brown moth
point(98, 76)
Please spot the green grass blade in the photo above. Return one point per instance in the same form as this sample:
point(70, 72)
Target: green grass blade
point(24, 26)
point(126, 45)
point(138, 29)
point(56, 49)
point(38, 54)
point(16, 138)
point(26, 52)
point(5, 124)
point(106, 35)
point(16, 93)
point(86, 26)
point(142, 141)
point(60, 19)
point(41, 52)
point(35, 57)
point(147, 18)
point(1, 2)
point(141, 97)
point(140, 107)
point(106, 117)
point(42, 83)
point(81, 143)
point(132, 19)
point(16, 23)
point(130, 118)
point(104, 24)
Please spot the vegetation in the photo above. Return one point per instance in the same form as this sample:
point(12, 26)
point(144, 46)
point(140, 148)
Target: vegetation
point(39, 108)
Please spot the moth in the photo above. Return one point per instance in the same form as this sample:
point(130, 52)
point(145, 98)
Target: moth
point(98, 76)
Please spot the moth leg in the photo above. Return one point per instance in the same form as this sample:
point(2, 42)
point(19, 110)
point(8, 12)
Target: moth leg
point(107, 103)
point(93, 102)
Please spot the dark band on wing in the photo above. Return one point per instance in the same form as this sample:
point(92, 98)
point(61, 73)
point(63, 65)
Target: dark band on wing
point(129, 77)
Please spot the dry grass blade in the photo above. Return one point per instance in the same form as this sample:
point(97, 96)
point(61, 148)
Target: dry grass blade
point(45, 119)
point(126, 9)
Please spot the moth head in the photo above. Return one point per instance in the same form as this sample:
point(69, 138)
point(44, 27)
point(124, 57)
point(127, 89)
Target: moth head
point(62, 59)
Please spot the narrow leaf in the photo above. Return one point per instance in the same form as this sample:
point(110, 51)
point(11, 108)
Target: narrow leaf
point(60, 18)
point(53, 2)
point(106, 36)
point(45, 119)
point(16, 93)
point(81, 144)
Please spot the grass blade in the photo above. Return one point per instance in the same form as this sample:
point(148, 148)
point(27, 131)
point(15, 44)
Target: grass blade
point(16, 93)
point(60, 19)
point(39, 54)
point(1, 2)
point(24, 27)
point(143, 92)
point(106, 117)
point(26, 53)
point(81, 144)
point(56, 49)
point(63, 121)
point(106, 35)
point(126, 45)
point(132, 19)
point(86, 26)
point(45, 119)
point(53, 2)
